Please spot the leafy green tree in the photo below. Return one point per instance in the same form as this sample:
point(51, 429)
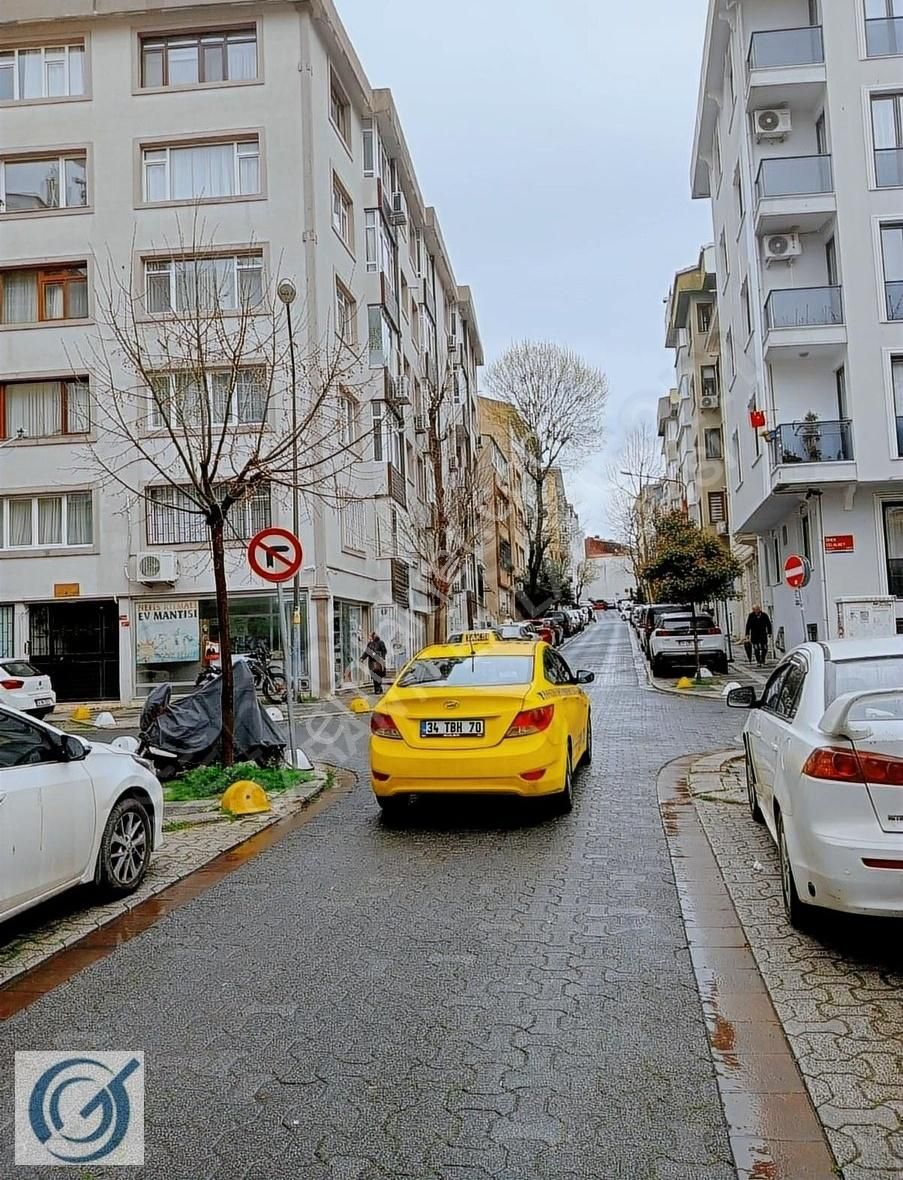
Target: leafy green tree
point(688, 565)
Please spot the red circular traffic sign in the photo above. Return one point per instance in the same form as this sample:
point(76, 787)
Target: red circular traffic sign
point(275, 554)
point(797, 571)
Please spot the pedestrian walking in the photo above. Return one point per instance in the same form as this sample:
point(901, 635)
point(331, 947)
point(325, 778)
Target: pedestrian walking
point(375, 658)
point(758, 633)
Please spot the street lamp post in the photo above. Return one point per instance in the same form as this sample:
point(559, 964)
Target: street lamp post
point(287, 293)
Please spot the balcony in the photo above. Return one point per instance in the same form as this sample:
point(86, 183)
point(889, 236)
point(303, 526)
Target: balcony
point(884, 36)
point(786, 66)
point(889, 167)
point(794, 192)
point(397, 489)
point(389, 299)
point(803, 453)
point(804, 317)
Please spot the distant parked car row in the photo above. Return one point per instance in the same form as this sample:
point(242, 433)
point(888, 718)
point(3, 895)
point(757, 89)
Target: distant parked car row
point(554, 627)
point(666, 635)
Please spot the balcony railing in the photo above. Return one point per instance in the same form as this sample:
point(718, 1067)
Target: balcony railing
point(805, 307)
point(791, 176)
point(775, 48)
point(889, 167)
point(900, 435)
point(812, 442)
point(884, 36)
point(894, 294)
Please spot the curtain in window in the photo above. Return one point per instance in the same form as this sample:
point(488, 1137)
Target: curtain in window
point(19, 523)
point(76, 69)
point(242, 60)
point(250, 390)
point(20, 297)
point(77, 404)
point(80, 518)
point(50, 520)
point(30, 81)
point(202, 171)
point(34, 408)
point(53, 301)
point(55, 72)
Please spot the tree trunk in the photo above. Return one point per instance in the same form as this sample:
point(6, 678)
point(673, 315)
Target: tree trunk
point(227, 744)
point(695, 641)
point(440, 614)
point(534, 565)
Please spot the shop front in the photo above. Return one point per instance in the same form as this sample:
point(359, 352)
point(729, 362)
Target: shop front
point(76, 644)
point(171, 635)
point(350, 628)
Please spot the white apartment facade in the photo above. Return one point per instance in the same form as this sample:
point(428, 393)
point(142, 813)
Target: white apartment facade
point(118, 129)
point(799, 148)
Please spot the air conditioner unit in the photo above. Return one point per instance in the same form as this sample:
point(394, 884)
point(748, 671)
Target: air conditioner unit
point(774, 124)
point(453, 343)
point(420, 424)
point(782, 247)
point(399, 209)
point(721, 528)
point(157, 567)
point(402, 392)
point(708, 403)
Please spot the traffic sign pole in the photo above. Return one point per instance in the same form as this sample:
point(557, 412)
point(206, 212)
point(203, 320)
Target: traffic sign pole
point(287, 655)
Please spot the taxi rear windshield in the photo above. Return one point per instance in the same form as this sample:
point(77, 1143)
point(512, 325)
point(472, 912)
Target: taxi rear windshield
point(468, 671)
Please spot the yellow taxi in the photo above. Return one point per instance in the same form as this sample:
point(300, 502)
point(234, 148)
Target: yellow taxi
point(481, 715)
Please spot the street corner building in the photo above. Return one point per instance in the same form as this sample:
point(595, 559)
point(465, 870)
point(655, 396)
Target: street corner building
point(799, 149)
point(119, 129)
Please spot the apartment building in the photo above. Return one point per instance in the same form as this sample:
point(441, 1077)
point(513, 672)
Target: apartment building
point(505, 542)
point(565, 541)
point(690, 417)
point(799, 148)
point(124, 129)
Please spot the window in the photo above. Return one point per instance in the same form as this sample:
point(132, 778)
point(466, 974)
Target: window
point(775, 559)
point(345, 314)
point(738, 192)
point(34, 296)
point(831, 262)
point(708, 380)
point(892, 249)
point(46, 182)
point(884, 27)
point(556, 670)
point(821, 135)
point(342, 219)
point(713, 444)
point(339, 109)
point(197, 59)
point(783, 697)
point(840, 385)
point(772, 692)
point(25, 744)
point(202, 171)
point(893, 542)
point(347, 419)
point(735, 455)
point(896, 367)
point(814, 15)
point(747, 310)
point(725, 263)
point(181, 284)
point(729, 350)
point(703, 317)
point(28, 74)
point(717, 507)
point(367, 141)
point(381, 339)
point(887, 133)
point(41, 522)
point(729, 76)
point(716, 155)
point(354, 526)
point(231, 395)
point(806, 535)
point(42, 409)
point(173, 518)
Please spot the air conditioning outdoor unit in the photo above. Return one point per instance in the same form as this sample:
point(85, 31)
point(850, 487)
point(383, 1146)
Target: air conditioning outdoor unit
point(453, 343)
point(782, 247)
point(402, 392)
point(157, 567)
point(721, 528)
point(775, 124)
point(399, 209)
point(420, 424)
point(708, 403)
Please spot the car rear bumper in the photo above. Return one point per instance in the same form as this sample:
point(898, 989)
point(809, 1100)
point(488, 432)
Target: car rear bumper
point(398, 770)
point(27, 702)
point(834, 866)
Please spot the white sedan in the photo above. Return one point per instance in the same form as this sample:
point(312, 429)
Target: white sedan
point(22, 686)
point(824, 765)
point(71, 813)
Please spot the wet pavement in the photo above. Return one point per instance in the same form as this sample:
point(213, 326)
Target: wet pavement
point(487, 992)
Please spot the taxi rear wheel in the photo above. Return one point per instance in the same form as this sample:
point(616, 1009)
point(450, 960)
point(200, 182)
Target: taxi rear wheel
point(587, 758)
point(393, 807)
point(563, 801)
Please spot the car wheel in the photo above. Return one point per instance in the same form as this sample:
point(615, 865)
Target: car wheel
point(659, 667)
point(587, 759)
point(798, 915)
point(754, 808)
point(721, 665)
point(125, 849)
point(393, 807)
point(563, 801)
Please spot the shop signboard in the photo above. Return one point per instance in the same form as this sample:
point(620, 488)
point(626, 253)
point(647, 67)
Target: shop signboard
point(167, 631)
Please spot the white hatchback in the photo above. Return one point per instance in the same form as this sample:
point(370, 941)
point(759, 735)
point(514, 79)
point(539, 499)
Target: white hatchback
point(23, 686)
point(71, 813)
point(824, 765)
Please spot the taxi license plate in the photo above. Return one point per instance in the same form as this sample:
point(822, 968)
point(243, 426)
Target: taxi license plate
point(466, 727)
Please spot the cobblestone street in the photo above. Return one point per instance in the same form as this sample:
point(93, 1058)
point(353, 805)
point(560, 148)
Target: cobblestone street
point(486, 993)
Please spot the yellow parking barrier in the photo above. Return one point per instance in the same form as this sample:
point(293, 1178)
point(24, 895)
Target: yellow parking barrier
point(245, 798)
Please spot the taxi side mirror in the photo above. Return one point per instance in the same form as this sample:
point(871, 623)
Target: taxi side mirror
point(585, 677)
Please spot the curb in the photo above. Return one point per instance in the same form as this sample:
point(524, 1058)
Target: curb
point(773, 1128)
point(208, 811)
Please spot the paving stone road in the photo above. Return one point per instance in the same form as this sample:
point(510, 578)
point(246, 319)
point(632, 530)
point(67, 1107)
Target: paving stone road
point(485, 993)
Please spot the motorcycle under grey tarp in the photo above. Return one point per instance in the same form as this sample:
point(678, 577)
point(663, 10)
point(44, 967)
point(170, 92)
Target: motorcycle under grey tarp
point(180, 734)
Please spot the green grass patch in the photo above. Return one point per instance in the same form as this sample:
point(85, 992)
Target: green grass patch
point(207, 782)
point(176, 827)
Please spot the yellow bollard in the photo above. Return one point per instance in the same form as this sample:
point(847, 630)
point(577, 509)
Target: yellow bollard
point(245, 798)
point(81, 713)
point(359, 705)
point(685, 682)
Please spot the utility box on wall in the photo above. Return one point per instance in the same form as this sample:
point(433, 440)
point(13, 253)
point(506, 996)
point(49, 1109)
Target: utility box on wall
point(866, 618)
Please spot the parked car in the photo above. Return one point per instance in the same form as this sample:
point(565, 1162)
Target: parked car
point(24, 687)
point(651, 616)
point(549, 630)
point(71, 813)
point(671, 643)
point(562, 620)
point(824, 772)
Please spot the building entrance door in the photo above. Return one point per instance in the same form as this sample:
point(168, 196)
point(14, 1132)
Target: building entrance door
point(348, 643)
point(77, 645)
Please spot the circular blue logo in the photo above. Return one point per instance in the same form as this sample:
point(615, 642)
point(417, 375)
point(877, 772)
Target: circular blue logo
point(83, 1107)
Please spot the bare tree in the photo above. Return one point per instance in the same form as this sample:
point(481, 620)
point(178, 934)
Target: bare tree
point(632, 476)
point(583, 575)
point(561, 401)
point(203, 407)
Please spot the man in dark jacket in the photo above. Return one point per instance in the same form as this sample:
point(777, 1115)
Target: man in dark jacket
point(758, 633)
point(375, 658)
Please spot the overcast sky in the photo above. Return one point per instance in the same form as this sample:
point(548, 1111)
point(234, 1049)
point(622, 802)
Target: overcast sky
point(554, 141)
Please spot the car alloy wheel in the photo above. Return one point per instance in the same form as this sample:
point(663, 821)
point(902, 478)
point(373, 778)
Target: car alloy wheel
point(754, 808)
point(588, 752)
point(125, 849)
point(564, 800)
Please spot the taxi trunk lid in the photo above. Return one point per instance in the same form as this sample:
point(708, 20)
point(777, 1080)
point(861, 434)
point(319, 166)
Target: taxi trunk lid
point(496, 707)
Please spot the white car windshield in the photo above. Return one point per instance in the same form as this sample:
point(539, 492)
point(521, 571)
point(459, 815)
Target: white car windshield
point(875, 674)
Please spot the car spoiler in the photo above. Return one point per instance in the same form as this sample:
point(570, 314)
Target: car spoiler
point(836, 721)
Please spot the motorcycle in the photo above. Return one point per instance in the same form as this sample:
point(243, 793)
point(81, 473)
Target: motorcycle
point(269, 675)
point(179, 735)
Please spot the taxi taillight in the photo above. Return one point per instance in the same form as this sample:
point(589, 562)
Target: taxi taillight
point(531, 721)
point(383, 726)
